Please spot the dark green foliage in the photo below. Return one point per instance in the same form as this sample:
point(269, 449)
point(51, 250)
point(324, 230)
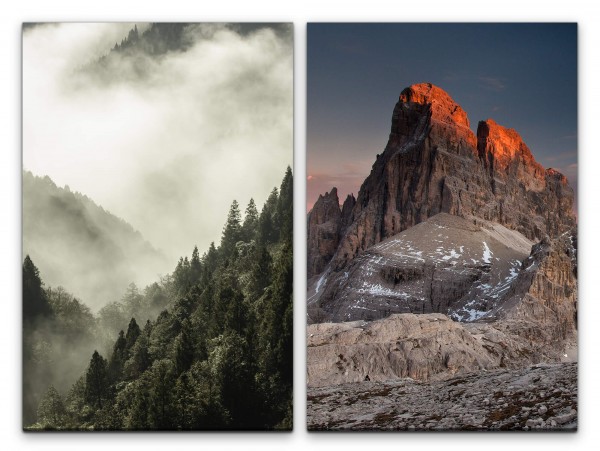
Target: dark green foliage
point(118, 358)
point(285, 208)
point(219, 353)
point(260, 273)
point(232, 232)
point(268, 222)
point(97, 388)
point(195, 267)
point(133, 332)
point(140, 355)
point(161, 379)
point(35, 302)
point(250, 222)
point(184, 348)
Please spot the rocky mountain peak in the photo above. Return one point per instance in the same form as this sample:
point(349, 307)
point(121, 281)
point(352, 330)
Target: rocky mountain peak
point(426, 110)
point(433, 163)
point(559, 176)
point(323, 229)
point(443, 107)
point(499, 146)
point(327, 207)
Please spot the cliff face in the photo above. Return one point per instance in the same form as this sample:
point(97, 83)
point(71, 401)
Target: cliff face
point(533, 318)
point(542, 301)
point(323, 225)
point(434, 163)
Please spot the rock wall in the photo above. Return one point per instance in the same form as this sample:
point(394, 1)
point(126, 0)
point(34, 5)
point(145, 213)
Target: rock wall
point(542, 302)
point(323, 225)
point(434, 163)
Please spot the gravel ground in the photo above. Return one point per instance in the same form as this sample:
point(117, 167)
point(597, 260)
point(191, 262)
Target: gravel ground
point(539, 397)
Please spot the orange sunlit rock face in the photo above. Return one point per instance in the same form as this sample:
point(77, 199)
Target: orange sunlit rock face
point(443, 108)
point(426, 109)
point(503, 144)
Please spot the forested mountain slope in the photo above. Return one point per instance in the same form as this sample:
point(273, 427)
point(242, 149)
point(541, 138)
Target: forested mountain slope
point(76, 243)
point(218, 357)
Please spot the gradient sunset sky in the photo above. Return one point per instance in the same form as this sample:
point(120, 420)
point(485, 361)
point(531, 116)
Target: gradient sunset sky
point(523, 76)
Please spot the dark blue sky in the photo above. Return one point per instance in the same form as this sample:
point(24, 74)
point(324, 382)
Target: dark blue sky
point(524, 76)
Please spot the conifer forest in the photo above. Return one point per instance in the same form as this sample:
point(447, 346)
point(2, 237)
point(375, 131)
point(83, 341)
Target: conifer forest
point(206, 347)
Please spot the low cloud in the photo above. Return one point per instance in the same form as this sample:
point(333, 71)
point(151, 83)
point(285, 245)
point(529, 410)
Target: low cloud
point(169, 147)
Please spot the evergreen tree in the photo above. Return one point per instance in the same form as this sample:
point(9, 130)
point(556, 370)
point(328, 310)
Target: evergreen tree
point(118, 358)
point(210, 261)
point(231, 231)
point(228, 360)
point(260, 274)
point(250, 222)
point(35, 302)
point(220, 356)
point(133, 332)
point(268, 222)
point(285, 207)
point(188, 408)
point(195, 267)
point(75, 402)
point(161, 383)
point(51, 410)
point(138, 415)
point(140, 355)
point(96, 381)
point(184, 348)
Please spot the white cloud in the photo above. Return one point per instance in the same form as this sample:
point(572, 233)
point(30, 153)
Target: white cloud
point(169, 151)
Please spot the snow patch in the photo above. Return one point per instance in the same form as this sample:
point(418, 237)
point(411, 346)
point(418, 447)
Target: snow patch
point(487, 253)
point(320, 282)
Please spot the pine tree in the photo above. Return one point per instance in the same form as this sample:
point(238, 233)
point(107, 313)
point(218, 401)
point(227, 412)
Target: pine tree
point(210, 261)
point(96, 381)
point(268, 222)
point(285, 207)
point(228, 360)
point(118, 358)
point(35, 302)
point(140, 355)
point(231, 231)
point(138, 415)
point(250, 222)
point(133, 332)
point(195, 267)
point(260, 274)
point(184, 348)
point(161, 383)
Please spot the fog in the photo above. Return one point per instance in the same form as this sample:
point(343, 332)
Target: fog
point(165, 142)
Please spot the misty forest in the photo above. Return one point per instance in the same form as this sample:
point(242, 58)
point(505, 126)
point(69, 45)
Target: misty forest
point(208, 346)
